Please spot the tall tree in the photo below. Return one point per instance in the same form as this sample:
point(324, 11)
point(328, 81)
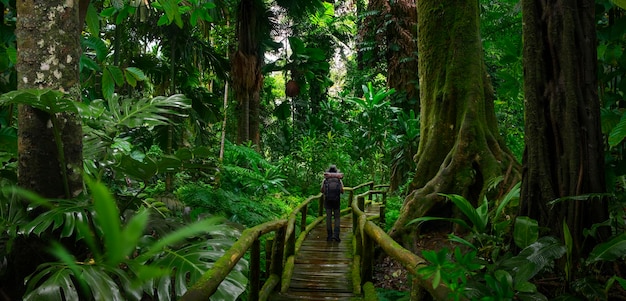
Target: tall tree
point(564, 153)
point(394, 31)
point(253, 34)
point(48, 52)
point(460, 148)
point(246, 68)
point(48, 44)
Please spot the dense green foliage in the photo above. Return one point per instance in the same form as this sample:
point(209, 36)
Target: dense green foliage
point(159, 194)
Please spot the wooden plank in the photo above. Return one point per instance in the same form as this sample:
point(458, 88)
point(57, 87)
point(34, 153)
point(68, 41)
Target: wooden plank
point(322, 269)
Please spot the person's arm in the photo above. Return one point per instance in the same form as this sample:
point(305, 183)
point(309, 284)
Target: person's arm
point(341, 185)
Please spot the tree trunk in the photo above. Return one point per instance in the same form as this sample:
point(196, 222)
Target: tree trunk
point(48, 44)
point(49, 50)
point(460, 150)
point(564, 146)
point(246, 73)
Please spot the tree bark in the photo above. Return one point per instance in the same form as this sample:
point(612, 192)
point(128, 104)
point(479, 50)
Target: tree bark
point(49, 50)
point(564, 153)
point(247, 77)
point(460, 150)
point(48, 44)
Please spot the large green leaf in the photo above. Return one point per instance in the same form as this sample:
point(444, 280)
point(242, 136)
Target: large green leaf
point(93, 20)
point(618, 133)
point(52, 283)
point(108, 219)
point(47, 100)
point(108, 84)
point(609, 251)
point(620, 3)
point(478, 216)
point(98, 45)
point(526, 231)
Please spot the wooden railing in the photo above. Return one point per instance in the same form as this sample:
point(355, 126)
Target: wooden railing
point(367, 235)
point(286, 244)
point(283, 250)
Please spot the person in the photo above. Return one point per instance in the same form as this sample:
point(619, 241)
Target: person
point(332, 188)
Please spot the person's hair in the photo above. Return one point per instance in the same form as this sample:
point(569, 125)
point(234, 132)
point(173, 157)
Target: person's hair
point(332, 168)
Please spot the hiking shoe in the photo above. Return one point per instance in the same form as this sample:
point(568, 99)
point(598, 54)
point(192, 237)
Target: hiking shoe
point(329, 238)
point(337, 239)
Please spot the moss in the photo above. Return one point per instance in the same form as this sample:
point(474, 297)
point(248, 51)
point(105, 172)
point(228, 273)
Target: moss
point(369, 292)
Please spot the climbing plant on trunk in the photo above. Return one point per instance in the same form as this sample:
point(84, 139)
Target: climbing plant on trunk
point(460, 150)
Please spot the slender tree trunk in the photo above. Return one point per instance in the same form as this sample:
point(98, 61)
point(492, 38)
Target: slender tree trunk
point(460, 149)
point(564, 153)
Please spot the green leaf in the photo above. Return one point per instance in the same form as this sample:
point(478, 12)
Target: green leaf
point(478, 217)
point(93, 20)
point(130, 79)
point(460, 222)
point(617, 134)
point(609, 251)
point(590, 288)
point(47, 100)
point(170, 7)
point(51, 283)
point(98, 46)
point(117, 74)
point(136, 73)
point(526, 231)
point(87, 62)
point(12, 54)
point(108, 85)
point(108, 219)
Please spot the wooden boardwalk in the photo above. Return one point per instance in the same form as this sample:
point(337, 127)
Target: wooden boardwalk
point(323, 270)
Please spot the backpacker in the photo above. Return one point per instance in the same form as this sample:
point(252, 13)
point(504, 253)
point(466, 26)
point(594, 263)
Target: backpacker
point(332, 189)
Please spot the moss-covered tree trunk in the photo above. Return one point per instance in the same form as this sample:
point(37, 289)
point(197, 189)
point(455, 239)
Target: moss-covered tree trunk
point(48, 44)
point(564, 148)
point(460, 149)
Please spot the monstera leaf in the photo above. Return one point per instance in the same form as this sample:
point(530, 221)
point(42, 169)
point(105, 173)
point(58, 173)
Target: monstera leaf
point(190, 262)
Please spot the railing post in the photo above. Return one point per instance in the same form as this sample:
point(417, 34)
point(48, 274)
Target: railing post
point(367, 259)
point(320, 209)
point(255, 270)
point(269, 243)
point(278, 253)
point(305, 208)
point(383, 207)
point(361, 202)
point(370, 195)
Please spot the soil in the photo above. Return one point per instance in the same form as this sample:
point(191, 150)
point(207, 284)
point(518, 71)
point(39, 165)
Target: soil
point(391, 275)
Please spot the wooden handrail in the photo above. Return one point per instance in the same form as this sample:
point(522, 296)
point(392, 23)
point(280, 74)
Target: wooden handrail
point(284, 249)
point(367, 232)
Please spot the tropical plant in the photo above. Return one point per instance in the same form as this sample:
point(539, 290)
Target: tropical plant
point(487, 229)
point(122, 258)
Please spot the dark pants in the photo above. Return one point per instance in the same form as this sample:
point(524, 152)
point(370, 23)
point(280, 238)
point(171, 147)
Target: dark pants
point(330, 213)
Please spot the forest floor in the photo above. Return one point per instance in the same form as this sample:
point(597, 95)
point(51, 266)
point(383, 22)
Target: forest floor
point(391, 275)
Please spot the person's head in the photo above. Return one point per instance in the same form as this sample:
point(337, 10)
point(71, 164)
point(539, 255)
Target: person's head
point(332, 168)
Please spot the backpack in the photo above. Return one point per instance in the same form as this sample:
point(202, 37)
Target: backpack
point(332, 189)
